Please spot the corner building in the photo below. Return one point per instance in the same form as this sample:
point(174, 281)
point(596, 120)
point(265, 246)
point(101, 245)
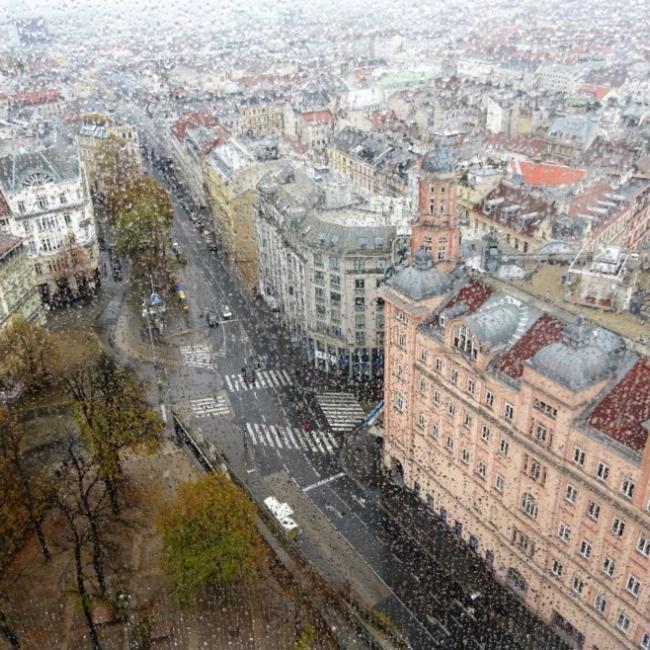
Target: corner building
point(526, 432)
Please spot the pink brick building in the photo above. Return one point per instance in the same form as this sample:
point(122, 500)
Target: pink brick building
point(528, 434)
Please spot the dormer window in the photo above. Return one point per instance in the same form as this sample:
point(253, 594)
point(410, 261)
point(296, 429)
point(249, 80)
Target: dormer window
point(464, 341)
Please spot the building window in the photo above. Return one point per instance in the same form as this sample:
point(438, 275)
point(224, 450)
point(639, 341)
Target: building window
point(67, 219)
point(627, 488)
point(578, 585)
point(399, 402)
point(533, 468)
point(467, 420)
point(401, 317)
point(645, 641)
point(520, 540)
point(62, 199)
point(38, 268)
point(623, 622)
point(471, 386)
point(633, 585)
point(422, 420)
point(556, 568)
point(464, 341)
point(335, 265)
point(452, 408)
point(434, 431)
point(42, 202)
point(423, 387)
point(489, 399)
point(618, 527)
point(21, 207)
point(509, 411)
point(401, 339)
point(499, 483)
point(529, 505)
point(541, 434)
point(454, 376)
point(423, 355)
point(593, 510)
point(436, 397)
point(481, 469)
point(464, 456)
point(485, 433)
point(359, 264)
point(399, 370)
point(564, 532)
point(608, 566)
point(643, 546)
point(602, 471)
point(570, 494)
point(359, 284)
point(450, 443)
point(579, 457)
point(545, 408)
point(503, 446)
point(585, 549)
point(600, 603)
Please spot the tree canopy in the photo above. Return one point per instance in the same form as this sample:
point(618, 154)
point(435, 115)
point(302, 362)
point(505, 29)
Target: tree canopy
point(115, 165)
point(111, 412)
point(143, 215)
point(209, 536)
point(26, 353)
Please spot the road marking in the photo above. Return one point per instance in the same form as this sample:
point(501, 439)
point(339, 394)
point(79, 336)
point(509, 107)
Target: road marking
point(333, 439)
point(250, 433)
point(230, 388)
point(290, 435)
point(274, 431)
point(324, 481)
point(317, 441)
point(326, 442)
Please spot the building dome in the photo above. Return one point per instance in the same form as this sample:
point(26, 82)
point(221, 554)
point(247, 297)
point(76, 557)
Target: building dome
point(581, 358)
point(422, 279)
point(439, 159)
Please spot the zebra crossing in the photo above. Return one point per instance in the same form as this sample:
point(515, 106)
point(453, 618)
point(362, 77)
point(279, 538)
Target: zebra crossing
point(198, 356)
point(263, 379)
point(341, 410)
point(209, 406)
point(281, 437)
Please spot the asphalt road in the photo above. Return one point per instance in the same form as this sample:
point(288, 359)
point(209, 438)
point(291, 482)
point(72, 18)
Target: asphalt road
point(260, 429)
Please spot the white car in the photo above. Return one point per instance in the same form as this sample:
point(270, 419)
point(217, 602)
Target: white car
point(226, 313)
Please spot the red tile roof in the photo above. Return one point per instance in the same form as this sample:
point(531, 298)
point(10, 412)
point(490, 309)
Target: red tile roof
point(8, 243)
point(597, 92)
point(473, 294)
point(544, 330)
point(380, 118)
point(191, 121)
point(35, 98)
point(546, 174)
point(515, 208)
point(621, 414)
point(324, 117)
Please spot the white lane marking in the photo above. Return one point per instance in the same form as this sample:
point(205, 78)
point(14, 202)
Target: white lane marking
point(274, 431)
point(290, 436)
point(250, 433)
point(324, 481)
point(333, 439)
point(325, 441)
point(230, 388)
point(317, 441)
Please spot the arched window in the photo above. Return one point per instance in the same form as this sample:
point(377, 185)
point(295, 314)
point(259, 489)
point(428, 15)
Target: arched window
point(529, 505)
point(464, 341)
point(516, 580)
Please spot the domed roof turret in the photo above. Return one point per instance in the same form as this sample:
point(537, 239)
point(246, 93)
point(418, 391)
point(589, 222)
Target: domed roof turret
point(440, 158)
point(581, 358)
point(422, 279)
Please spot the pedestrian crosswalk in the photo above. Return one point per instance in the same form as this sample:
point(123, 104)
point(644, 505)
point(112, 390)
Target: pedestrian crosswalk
point(209, 406)
point(263, 379)
point(341, 410)
point(198, 356)
point(283, 437)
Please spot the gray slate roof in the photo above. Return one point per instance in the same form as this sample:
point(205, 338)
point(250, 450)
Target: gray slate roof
point(422, 279)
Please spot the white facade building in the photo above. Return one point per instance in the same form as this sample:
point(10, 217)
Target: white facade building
point(323, 253)
point(47, 193)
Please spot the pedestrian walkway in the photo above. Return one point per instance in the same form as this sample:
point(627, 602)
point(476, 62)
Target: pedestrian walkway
point(209, 407)
point(282, 437)
point(341, 410)
point(263, 379)
point(198, 356)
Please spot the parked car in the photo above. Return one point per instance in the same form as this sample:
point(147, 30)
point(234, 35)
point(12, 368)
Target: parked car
point(212, 246)
point(211, 319)
point(226, 313)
